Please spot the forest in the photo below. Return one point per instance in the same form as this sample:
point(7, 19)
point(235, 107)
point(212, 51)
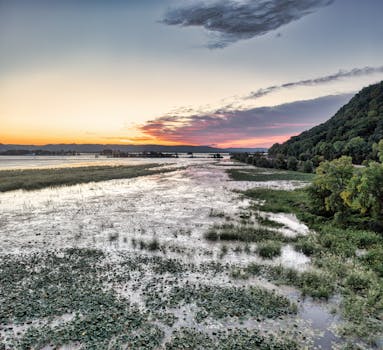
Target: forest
point(354, 131)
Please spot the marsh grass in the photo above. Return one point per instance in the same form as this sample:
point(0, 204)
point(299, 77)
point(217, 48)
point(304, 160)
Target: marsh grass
point(32, 179)
point(244, 233)
point(339, 269)
point(269, 249)
point(265, 221)
point(260, 175)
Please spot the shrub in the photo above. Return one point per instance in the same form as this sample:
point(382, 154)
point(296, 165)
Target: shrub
point(358, 281)
point(153, 245)
point(211, 235)
point(306, 246)
point(315, 284)
point(269, 250)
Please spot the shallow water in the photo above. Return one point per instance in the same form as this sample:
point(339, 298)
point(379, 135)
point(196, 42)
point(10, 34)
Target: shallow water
point(88, 159)
point(175, 208)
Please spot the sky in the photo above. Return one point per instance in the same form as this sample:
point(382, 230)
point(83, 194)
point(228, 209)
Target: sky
point(226, 73)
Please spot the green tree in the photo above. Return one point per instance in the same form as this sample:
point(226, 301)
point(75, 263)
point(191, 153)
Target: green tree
point(292, 163)
point(356, 148)
point(365, 191)
point(380, 151)
point(330, 182)
point(280, 162)
point(308, 166)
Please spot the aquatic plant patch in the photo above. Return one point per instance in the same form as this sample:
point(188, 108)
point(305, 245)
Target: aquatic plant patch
point(237, 339)
point(221, 302)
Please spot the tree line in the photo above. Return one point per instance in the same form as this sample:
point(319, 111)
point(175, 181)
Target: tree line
point(281, 162)
point(341, 191)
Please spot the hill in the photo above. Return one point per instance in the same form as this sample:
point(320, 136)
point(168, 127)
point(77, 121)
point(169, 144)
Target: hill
point(354, 131)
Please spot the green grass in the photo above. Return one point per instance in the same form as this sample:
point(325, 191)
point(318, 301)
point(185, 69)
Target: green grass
point(32, 179)
point(281, 201)
point(258, 174)
point(348, 261)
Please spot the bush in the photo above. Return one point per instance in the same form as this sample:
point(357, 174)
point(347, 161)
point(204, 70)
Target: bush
point(367, 239)
point(315, 284)
point(211, 235)
point(292, 163)
point(306, 246)
point(374, 259)
point(153, 245)
point(269, 250)
point(358, 281)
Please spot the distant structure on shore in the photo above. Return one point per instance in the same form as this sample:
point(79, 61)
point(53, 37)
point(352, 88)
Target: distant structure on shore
point(118, 154)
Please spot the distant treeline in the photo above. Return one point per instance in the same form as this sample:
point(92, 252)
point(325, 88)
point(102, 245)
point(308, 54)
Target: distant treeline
point(39, 152)
point(263, 160)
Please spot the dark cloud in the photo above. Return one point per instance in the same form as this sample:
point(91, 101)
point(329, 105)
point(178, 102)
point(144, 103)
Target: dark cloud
point(356, 72)
point(222, 127)
point(233, 20)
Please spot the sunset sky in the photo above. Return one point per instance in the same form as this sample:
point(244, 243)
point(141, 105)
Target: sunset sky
point(241, 73)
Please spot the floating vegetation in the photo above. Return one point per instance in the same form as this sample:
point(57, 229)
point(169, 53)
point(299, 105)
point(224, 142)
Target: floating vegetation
point(222, 302)
point(187, 338)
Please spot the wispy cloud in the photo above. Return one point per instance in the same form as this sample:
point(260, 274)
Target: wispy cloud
point(356, 72)
point(254, 127)
point(233, 20)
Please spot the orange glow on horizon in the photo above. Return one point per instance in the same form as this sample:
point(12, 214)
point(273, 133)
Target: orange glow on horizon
point(19, 140)
point(44, 140)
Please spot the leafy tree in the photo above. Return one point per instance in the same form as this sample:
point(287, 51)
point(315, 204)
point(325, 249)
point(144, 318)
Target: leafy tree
point(280, 162)
point(365, 191)
point(380, 150)
point(292, 163)
point(308, 166)
point(331, 181)
point(356, 148)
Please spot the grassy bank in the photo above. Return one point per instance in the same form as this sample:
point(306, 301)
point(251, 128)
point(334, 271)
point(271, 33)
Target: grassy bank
point(347, 261)
point(32, 179)
point(262, 174)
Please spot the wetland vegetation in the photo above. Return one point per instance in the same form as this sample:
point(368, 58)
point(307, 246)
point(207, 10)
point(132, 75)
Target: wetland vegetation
point(227, 279)
point(346, 254)
point(32, 179)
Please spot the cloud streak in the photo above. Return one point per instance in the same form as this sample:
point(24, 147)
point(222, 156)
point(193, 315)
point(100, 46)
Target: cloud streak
point(232, 20)
point(356, 72)
point(253, 127)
